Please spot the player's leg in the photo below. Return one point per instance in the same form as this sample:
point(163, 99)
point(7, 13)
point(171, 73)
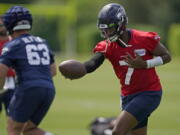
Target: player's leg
point(136, 110)
point(18, 113)
point(124, 123)
point(141, 128)
point(151, 101)
point(24, 103)
point(14, 127)
point(7, 98)
point(28, 128)
point(139, 131)
point(31, 127)
point(2, 100)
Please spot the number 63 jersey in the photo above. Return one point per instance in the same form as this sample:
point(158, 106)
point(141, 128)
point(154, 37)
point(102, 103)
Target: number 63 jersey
point(133, 80)
point(31, 59)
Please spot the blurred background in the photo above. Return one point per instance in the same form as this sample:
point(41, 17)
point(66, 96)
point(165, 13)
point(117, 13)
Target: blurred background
point(70, 28)
point(70, 25)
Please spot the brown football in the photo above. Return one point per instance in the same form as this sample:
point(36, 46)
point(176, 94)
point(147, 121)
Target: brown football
point(72, 69)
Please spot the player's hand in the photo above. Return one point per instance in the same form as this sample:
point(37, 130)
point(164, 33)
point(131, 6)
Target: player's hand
point(136, 62)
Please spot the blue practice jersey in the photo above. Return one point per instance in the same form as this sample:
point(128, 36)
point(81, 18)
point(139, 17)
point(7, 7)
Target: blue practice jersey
point(31, 58)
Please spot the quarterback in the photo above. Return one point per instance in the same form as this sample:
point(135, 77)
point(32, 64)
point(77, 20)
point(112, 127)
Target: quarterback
point(134, 54)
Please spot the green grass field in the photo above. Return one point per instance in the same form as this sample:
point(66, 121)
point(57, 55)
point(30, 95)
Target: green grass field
point(79, 101)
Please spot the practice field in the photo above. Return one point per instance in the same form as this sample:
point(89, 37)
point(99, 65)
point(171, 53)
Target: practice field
point(78, 102)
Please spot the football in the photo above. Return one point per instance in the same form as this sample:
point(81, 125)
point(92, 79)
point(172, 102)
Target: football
point(72, 69)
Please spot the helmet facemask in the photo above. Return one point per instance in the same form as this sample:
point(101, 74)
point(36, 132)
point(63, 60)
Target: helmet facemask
point(112, 31)
point(108, 32)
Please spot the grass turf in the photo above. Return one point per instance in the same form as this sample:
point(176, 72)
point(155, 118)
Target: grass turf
point(78, 102)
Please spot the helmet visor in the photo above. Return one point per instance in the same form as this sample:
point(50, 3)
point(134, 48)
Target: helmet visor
point(108, 32)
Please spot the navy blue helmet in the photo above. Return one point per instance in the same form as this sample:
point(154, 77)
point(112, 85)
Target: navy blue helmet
point(112, 17)
point(17, 18)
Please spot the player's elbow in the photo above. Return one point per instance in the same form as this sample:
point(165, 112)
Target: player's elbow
point(167, 58)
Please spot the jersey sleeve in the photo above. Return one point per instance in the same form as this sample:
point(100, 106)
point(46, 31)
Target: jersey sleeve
point(101, 47)
point(152, 41)
point(7, 56)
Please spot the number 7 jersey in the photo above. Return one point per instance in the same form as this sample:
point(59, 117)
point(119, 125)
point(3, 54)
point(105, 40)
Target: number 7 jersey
point(31, 59)
point(133, 80)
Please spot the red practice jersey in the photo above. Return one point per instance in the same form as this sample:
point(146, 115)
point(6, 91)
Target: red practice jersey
point(11, 72)
point(133, 80)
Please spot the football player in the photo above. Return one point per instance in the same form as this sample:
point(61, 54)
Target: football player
point(134, 54)
point(8, 89)
point(34, 64)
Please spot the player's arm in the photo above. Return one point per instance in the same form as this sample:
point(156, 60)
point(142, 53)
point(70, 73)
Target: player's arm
point(3, 73)
point(162, 56)
point(73, 69)
point(53, 69)
point(162, 52)
point(94, 62)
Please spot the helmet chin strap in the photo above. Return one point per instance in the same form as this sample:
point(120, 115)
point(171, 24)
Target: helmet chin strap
point(116, 38)
point(113, 38)
point(122, 43)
